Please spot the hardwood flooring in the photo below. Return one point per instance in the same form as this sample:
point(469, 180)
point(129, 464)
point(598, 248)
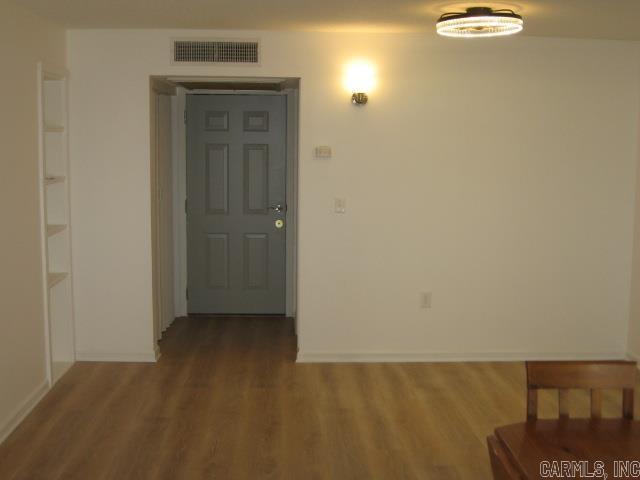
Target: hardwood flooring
point(227, 401)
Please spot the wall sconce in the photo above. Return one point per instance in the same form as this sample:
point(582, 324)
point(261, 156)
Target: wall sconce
point(360, 81)
point(359, 98)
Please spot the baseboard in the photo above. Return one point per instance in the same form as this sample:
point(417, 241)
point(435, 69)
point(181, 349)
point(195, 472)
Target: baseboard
point(23, 410)
point(129, 357)
point(435, 357)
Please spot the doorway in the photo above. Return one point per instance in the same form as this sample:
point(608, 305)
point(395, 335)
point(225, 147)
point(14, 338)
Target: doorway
point(236, 204)
point(209, 273)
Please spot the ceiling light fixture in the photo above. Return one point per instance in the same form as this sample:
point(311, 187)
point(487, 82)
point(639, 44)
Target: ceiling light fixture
point(479, 22)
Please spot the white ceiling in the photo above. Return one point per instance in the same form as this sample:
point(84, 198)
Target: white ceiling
point(613, 19)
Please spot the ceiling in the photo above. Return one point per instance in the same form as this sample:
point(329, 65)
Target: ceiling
point(612, 19)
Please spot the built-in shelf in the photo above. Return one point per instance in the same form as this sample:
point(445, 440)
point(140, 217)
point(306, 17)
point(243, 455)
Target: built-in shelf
point(53, 229)
point(55, 278)
point(56, 221)
point(50, 180)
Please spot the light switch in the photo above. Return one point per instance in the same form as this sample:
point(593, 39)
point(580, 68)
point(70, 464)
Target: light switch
point(323, 151)
point(340, 205)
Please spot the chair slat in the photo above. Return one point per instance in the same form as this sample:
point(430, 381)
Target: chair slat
point(627, 403)
point(596, 403)
point(563, 402)
point(532, 403)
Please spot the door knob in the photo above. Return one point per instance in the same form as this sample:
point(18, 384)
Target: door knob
point(279, 208)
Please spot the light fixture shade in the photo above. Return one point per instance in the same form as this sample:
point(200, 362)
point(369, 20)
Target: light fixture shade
point(479, 22)
point(359, 80)
point(360, 77)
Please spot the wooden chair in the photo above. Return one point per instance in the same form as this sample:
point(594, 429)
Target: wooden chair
point(501, 466)
point(563, 376)
point(592, 375)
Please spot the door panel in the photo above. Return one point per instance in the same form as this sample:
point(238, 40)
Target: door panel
point(256, 255)
point(236, 173)
point(256, 179)
point(217, 177)
point(218, 260)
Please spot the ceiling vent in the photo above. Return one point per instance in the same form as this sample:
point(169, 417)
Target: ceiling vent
point(215, 51)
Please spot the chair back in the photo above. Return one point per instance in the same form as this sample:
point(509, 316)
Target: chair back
point(592, 375)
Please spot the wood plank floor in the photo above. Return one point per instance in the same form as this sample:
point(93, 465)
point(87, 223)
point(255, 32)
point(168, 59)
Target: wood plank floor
point(227, 401)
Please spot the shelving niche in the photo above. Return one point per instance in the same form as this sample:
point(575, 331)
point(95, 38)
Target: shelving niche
point(56, 228)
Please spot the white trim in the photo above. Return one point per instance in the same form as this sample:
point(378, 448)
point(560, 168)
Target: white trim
point(43, 223)
point(129, 357)
point(179, 159)
point(435, 357)
point(213, 91)
point(67, 159)
point(214, 79)
point(292, 203)
point(21, 412)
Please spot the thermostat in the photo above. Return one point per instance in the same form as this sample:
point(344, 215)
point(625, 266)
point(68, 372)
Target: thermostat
point(323, 151)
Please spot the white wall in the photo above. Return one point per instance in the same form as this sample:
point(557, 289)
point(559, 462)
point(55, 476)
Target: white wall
point(497, 174)
point(633, 341)
point(24, 40)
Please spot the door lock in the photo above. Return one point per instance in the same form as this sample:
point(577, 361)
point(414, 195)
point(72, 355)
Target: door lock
point(279, 208)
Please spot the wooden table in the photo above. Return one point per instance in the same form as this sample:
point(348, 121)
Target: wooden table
point(518, 450)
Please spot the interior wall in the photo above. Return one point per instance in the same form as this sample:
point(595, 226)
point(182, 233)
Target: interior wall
point(498, 175)
point(24, 41)
point(633, 342)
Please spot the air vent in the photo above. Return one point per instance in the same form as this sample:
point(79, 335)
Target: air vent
point(215, 51)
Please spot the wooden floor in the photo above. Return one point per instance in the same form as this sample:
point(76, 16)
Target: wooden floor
point(227, 401)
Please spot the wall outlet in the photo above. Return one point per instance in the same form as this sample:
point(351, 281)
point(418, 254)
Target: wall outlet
point(339, 205)
point(425, 300)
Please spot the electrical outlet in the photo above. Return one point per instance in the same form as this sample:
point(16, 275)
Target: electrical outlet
point(339, 205)
point(425, 300)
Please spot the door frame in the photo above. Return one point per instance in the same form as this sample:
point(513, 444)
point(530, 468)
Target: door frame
point(291, 92)
point(161, 319)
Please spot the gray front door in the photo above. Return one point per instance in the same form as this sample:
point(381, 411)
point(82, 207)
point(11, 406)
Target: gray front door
point(236, 203)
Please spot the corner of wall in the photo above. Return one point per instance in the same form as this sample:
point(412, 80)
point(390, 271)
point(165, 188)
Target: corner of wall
point(633, 329)
point(22, 410)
